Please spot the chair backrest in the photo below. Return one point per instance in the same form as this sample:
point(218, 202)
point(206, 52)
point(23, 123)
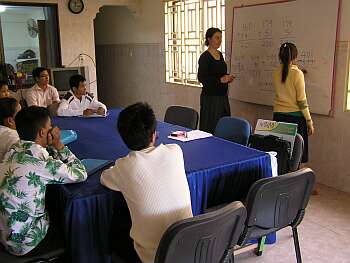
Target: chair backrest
point(277, 202)
point(182, 116)
point(207, 238)
point(23, 103)
point(297, 153)
point(50, 249)
point(269, 143)
point(233, 129)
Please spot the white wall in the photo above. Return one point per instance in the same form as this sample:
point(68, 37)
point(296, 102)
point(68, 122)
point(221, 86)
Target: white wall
point(131, 68)
point(16, 38)
point(77, 31)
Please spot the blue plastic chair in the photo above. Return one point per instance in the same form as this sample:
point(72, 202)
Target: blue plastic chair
point(233, 129)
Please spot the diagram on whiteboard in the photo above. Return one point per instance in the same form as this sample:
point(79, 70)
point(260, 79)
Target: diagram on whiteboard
point(259, 31)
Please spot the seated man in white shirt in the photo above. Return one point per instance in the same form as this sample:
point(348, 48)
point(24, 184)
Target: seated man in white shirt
point(77, 102)
point(8, 134)
point(152, 180)
point(42, 94)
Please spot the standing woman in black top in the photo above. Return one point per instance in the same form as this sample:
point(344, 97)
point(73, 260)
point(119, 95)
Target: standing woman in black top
point(212, 73)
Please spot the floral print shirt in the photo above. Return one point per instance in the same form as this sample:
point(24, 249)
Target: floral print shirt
point(24, 173)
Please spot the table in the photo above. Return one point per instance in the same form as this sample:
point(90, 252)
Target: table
point(218, 171)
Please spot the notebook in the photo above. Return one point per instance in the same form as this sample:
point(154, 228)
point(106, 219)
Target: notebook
point(68, 136)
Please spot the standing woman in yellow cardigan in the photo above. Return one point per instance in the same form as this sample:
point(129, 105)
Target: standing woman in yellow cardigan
point(290, 103)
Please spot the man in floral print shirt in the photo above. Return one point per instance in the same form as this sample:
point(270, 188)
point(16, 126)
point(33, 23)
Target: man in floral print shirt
point(38, 159)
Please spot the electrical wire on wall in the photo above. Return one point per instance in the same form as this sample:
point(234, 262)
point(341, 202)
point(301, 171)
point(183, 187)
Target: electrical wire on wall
point(80, 59)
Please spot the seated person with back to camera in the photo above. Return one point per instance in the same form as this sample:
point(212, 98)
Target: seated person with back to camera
point(78, 102)
point(152, 180)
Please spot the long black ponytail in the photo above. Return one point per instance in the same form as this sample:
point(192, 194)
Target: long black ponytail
point(288, 52)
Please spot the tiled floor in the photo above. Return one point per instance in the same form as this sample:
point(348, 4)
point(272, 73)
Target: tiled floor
point(324, 234)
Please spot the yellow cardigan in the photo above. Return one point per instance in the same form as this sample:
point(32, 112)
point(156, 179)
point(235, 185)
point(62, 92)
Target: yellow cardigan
point(290, 96)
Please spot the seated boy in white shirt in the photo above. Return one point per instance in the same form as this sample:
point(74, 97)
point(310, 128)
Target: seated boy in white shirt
point(8, 134)
point(42, 93)
point(152, 180)
point(77, 102)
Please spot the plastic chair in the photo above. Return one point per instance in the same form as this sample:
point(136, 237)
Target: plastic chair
point(297, 153)
point(207, 238)
point(233, 129)
point(182, 116)
point(275, 203)
point(52, 248)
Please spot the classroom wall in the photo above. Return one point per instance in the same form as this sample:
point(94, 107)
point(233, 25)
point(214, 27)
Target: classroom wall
point(130, 58)
point(16, 38)
point(77, 31)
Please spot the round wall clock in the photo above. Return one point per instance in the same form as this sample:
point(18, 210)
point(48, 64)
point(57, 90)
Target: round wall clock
point(76, 6)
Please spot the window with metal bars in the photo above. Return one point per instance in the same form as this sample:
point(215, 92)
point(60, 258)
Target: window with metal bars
point(186, 22)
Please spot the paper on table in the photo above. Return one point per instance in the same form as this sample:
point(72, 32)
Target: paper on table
point(192, 135)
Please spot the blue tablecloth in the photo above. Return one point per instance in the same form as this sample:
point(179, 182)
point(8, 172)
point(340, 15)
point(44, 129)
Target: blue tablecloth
point(217, 171)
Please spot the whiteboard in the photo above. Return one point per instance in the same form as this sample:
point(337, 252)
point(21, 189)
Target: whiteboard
point(259, 31)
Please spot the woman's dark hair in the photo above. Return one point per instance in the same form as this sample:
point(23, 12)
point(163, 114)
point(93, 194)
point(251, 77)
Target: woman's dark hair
point(7, 109)
point(136, 125)
point(37, 71)
point(75, 80)
point(288, 52)
point(210, 33)
point(30, 120)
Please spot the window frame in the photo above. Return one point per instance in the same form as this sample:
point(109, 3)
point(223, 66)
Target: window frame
point(190, 48)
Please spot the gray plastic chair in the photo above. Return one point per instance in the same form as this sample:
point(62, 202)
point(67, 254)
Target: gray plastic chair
point(52, 248)
point(182, 116)
point(207, 238)
point(275, 203)
point(297, 153)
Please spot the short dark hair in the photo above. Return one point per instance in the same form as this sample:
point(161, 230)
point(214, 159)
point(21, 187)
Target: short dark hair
point(7, 109)
point(30, 120)
point(3, 83)
point(136, 125)
point(37, 71)
point(210, 33)
point(75, 80)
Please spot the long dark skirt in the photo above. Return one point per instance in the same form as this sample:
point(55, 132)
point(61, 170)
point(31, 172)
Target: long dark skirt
point(302, 130)
point(212, 109)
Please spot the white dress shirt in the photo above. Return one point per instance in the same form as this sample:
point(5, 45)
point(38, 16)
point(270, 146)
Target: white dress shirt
point(8, 137)
point(154, 185)
point(38, 97)
point(72, 106)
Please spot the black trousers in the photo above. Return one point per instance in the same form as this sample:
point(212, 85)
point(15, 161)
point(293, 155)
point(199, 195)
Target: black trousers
point(212, 109)
point(302, 130)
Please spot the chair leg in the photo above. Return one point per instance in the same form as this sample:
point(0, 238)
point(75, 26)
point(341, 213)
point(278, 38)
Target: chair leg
point(296, 245)
point(261, 245)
